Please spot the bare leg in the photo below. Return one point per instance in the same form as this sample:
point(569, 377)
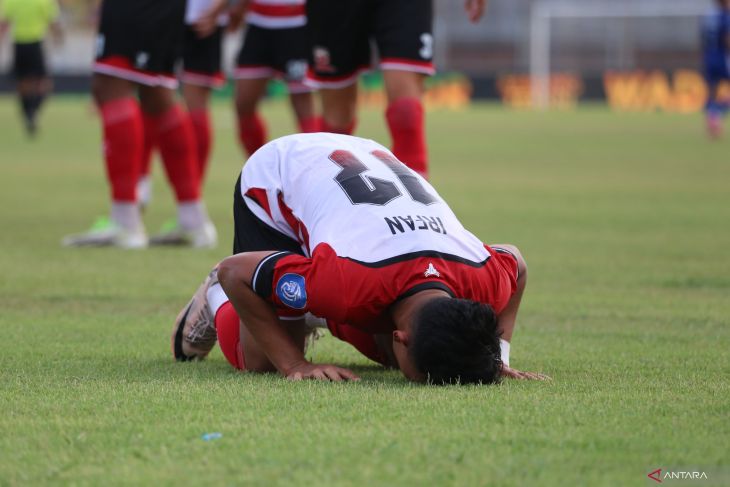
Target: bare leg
point(156, 100)
point(248, 94)
point(403, 84)
point(108, 88)
point(251, 128)
point(31, 94)
point(196, 97)
point(339, 108)
point(303, 105)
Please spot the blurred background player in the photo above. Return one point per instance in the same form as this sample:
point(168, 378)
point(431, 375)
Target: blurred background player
point(137, 46)
point(200, 73)
point(30, 21)
point(341, 34)
point(275, 43)
point(716, 46)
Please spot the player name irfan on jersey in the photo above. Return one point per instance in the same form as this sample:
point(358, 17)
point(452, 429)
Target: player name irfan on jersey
point(401, 224)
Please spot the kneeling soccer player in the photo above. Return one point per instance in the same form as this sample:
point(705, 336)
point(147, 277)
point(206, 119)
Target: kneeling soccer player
point(336, 226)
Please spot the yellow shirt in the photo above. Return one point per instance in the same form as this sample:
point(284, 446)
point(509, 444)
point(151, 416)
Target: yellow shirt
point(29, 18)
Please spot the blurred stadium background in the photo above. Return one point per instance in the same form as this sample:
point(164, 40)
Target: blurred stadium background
point(636, 54)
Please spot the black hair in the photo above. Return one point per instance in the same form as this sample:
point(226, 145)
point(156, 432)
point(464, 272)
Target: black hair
point(456, 341)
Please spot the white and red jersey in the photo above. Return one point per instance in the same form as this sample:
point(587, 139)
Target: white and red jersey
point(371, 229)
point(277, 14)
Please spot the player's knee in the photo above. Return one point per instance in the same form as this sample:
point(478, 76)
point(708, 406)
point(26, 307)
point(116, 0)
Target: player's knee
point(98, 90)
point(106, 88)
point(245, 105)
point(227, 272)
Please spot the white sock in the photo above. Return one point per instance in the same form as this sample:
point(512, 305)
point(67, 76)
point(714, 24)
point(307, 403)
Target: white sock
point(144, 190)
point(192, 215)
point(126, 215)
point(216, 298)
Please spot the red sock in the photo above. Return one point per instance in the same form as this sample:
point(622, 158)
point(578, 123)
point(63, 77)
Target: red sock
point(310, 124)
point(251, 132)
point(229, 338)
point(203, 138)
point(123, 141)
point(150, 141)
point(176, 140)
point(349, 130)
point(407, 129)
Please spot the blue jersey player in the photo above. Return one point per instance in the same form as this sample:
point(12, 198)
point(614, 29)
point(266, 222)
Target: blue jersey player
point(716, 52)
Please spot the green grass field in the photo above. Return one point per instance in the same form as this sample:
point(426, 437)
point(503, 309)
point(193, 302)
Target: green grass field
point(624, 220)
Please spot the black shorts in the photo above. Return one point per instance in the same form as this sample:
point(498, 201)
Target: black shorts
point(250, 234)
point(342, 31)
point(268, 53)
point(140, 40)
point(29, 61)
point(201, 59)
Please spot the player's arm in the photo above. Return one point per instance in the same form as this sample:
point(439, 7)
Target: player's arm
point(507, 318)
point(236, 13)
point(4, 21)
point(475, 9)
point(57, 31)
point(208, 21)
point(4, 28)
point(53, 17)
point(236, 276)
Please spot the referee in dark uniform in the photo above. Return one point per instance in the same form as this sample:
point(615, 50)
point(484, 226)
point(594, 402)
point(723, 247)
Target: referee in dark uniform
point(30, 21)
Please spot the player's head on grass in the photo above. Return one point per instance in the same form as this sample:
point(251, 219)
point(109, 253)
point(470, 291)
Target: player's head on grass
point(455, 341)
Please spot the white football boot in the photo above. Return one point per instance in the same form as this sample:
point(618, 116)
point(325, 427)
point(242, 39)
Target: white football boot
point(105, 233)
point(194, 333)
point(204, 236)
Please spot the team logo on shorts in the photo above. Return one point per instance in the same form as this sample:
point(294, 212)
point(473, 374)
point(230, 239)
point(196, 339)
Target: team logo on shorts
point(141, 59)
point(296, 69)
point(291, 291)
point(322, 63)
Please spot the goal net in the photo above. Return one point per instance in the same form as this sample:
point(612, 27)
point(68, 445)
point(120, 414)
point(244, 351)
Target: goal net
point(591, 38)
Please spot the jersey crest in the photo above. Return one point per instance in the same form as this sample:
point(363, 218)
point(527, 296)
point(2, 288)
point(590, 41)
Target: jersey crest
point(291, 291)
point(431, 271)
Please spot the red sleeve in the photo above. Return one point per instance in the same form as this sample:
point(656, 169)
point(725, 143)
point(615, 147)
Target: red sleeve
point(502, 272)
point(295, 284)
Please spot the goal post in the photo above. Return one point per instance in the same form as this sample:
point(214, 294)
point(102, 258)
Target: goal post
point(545, 13)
